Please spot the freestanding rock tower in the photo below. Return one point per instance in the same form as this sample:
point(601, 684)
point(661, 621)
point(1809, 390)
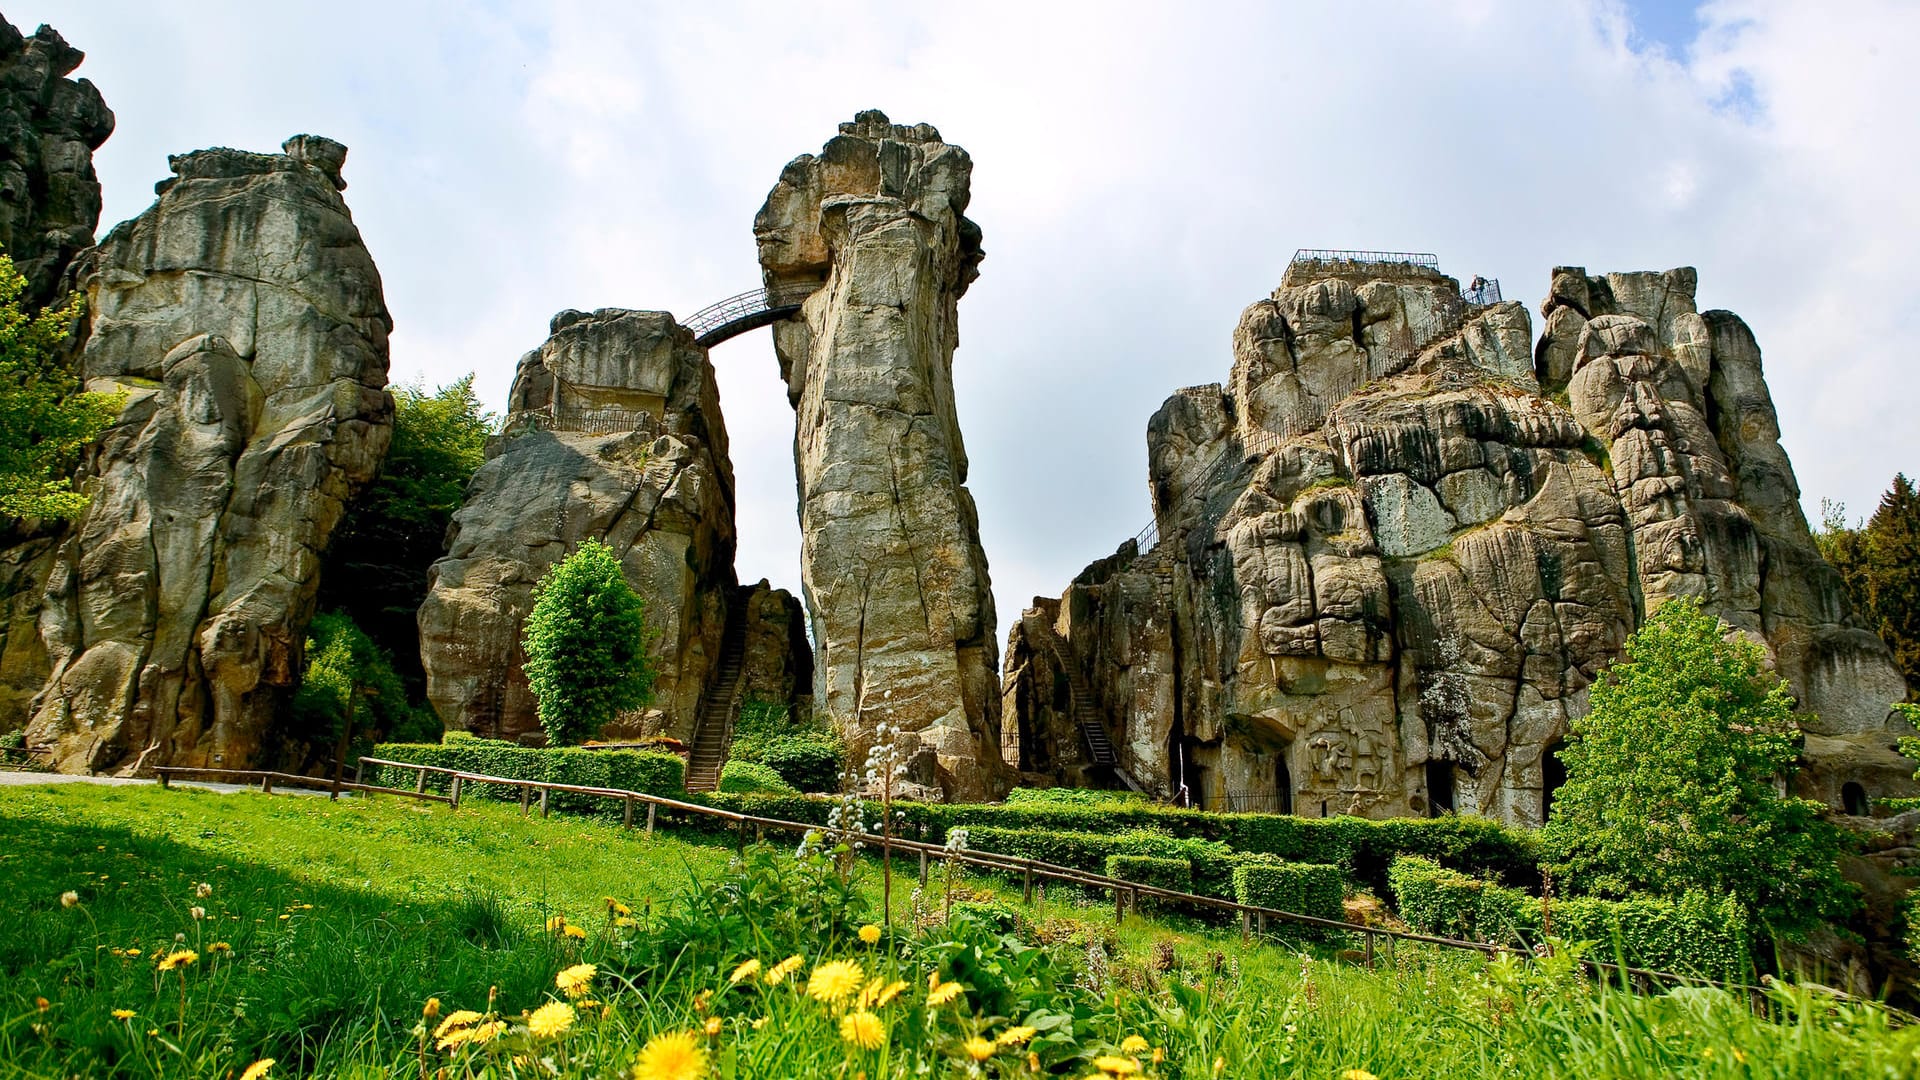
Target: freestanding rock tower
point(895, 578)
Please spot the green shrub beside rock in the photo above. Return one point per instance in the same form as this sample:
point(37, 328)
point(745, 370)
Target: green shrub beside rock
point(751, 776)
point(1314, 889)
point(646, 771)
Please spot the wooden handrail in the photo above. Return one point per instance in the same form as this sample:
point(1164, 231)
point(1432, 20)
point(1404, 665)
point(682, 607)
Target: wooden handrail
point(1052, 871)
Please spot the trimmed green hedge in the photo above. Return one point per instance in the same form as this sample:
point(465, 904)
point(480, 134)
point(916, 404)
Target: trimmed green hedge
point(1695, 934)
point(645, 771)
point(807, 762)
point(751, 776)
point(1155, 870)
point(1063, 796)
point(1314, 889)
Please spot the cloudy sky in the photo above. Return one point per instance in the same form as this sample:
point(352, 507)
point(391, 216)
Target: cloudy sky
point(1142, 173)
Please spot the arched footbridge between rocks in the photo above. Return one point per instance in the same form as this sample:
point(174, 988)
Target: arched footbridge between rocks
point(750, 310)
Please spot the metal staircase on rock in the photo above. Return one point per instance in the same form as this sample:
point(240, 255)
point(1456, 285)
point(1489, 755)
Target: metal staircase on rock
point(1086, 710)
point(714, 735)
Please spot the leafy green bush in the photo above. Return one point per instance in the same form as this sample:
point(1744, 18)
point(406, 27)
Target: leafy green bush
point(46, 418)
point(808, 762)
point(586, 644)
point(1158, 871)
point(347, 673)
point(645, 771)
point(1002, 917)
point(746, 776)
point(1064, 796)
point(1670, 781)
point(1314, 889)
point(1433, 899)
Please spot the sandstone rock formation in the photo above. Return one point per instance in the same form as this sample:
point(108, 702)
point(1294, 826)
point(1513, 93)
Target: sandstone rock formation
point(50, 126)
point(243, 319)
point(49, 206)
point(614, 434)
point(895, 578)
point(1389, 566)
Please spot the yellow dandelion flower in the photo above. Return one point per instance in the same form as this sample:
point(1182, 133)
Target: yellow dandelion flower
point(1133, 1044)
point(759, 1022)
point(1017, 1036)
point(1358, 1074)
point(133, 952)
point(486, 1032)
point(714, 1024)
point(179, 959)
point(870, 934)
point(1033, 1061)
point(576, 980)
point(779, 972)
point(431, 1009)
point(219, 947)
point(551, 1019)
point(943, 993)
point(574, 932)
point(863, 1029)
point(1114, 1065)
point(123, 1014)
point(677, 1056)
point(459, 1018)
point(257, 1070)
point(835, 981)
point(626, 920)
point(1159, 1055)
point(748, 969)
point(556, 924)
point(980, 1049)
point(889, 992)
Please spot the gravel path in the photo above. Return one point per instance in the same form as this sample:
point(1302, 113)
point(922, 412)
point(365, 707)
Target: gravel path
point(15, 778)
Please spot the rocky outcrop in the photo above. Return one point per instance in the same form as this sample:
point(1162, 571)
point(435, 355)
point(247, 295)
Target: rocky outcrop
point(777, 662)
point(1679, 400)
point(49, 206)
point(894, 575)
point(243, 319)
point(1389, 564)
point(615, 435)
point(50, 126)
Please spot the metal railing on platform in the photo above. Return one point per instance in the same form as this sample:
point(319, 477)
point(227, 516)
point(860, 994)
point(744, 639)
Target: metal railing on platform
point(1412, 258)
point(1481, 292)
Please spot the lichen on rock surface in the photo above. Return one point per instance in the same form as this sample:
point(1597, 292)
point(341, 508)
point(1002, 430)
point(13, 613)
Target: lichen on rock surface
point(243, 318)
point(1389, 565)
point(895, 578)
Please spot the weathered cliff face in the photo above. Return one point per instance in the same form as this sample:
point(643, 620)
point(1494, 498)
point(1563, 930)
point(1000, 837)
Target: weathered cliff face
point(614, 435)
point(1389, 567)
point(50, 126)
point(49, 206)
point(1679, 399)
point(243, 319)
point(894, 575)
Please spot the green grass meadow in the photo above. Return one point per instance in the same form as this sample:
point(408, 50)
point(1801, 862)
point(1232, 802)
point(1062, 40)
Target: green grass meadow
point(324, 928)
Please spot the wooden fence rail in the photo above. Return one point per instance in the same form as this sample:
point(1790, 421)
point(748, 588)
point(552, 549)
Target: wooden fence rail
point(267, 778)
point(1125, 893)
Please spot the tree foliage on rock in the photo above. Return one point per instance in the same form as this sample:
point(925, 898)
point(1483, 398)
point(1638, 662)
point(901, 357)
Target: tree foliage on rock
point(586, 645)
point(376, 568)
point(44, 420)
point(349, 679)
point(1879, 560)
point(1671, 781)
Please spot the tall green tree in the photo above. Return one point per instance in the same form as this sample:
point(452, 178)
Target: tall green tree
point(1879, 561)
point(376, 569)
point(44, 418)
point(1671, 781)
point(587, 646)
point(349, 683)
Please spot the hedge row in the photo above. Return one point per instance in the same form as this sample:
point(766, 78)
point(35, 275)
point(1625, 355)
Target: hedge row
point(1695, 934)
point(1303, 888)
point(1363, 847)
point(646, 771)
point(751, 776)
point(1154, 870)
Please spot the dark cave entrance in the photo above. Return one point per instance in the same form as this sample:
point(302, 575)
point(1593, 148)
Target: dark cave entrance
point(1553, 776)
point(1440, 776)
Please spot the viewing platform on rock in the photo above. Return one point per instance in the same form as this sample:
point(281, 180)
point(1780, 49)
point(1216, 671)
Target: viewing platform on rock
point(1311, 264)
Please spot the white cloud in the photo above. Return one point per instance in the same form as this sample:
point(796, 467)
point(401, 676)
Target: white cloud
point(1141, 174)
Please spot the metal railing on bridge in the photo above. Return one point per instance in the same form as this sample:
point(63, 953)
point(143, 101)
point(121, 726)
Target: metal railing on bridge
point(1482, 291)
point(750, 310)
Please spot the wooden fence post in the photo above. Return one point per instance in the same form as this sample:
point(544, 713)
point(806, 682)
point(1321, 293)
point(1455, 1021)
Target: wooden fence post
point(526, 796)
point(1027, 893)
point(1368, 934)
point(651, 807)
point(359, 771)
point(1119, 906)
point(266, 783)
point(544, 792)
point(166, 779)
point(455, 801)
point(420, 780)
point(626, 819)
point(923, 868)
point(1246, 925)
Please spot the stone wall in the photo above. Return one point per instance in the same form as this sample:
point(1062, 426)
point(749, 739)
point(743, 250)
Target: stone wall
point(243, 319)
point(1390, 564)
point(894, 576)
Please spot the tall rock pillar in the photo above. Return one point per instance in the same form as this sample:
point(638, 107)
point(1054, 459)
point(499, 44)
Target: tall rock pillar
point(896, 581)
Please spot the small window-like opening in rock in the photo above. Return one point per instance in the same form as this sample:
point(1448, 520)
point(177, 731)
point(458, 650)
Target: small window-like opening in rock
point(1283, 784)
point(1323, 808)
point(1553, 775)
point(1853, 798)
point(1439, 788)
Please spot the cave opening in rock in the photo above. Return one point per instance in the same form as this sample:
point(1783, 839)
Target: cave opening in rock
point(1282, 784)
point(1439, 788)
point(1553, 775)
point(1853, 798)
